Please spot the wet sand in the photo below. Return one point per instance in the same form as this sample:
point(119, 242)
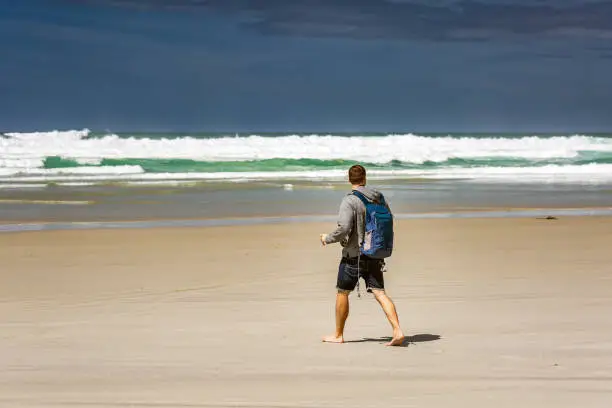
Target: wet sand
point(283, 198)
point(499, 312)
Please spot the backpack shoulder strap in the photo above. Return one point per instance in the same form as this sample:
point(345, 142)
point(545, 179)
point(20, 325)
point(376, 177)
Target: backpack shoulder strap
point(366, 201)
point(359, 195)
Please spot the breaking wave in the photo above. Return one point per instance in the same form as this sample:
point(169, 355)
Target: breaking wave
point(83, 155)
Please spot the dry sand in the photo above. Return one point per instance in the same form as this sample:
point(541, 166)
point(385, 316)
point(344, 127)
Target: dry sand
point(232, 316)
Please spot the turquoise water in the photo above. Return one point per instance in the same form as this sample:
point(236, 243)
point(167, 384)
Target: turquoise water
point(101, 157)
point(497, 158)
point(271, 165)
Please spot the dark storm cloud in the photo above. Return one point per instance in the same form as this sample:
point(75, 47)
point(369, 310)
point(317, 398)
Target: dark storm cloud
point(410, 20)
point(205, 65)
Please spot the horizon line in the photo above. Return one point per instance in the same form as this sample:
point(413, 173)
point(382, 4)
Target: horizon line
point(319, 131)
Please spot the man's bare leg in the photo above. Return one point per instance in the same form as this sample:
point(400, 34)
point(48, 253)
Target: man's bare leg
point(389, 309)
point(342, 311)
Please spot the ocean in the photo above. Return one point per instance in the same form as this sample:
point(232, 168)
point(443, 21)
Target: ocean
point(85, 157)
point(86, 175)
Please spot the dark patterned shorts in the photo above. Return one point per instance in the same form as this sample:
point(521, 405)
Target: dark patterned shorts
point(370, 270)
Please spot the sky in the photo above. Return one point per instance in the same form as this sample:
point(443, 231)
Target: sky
point(306, 65)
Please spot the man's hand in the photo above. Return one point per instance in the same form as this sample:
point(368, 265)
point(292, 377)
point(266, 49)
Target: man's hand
point(322, 238)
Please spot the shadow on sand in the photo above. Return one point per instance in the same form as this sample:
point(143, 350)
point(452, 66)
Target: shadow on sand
point(417, 338)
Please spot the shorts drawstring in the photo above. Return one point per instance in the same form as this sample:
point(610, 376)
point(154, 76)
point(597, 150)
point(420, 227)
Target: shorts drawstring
point(358, 265)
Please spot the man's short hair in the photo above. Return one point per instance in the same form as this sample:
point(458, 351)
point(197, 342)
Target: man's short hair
point(357, 175)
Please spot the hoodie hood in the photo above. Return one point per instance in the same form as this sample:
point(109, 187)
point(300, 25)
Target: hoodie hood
point(370, 193)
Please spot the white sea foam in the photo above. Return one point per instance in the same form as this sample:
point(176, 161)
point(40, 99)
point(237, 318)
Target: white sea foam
point(408, 148)
point(22, 156)
point(101, 170)
point(22, 186)
point(592, 173)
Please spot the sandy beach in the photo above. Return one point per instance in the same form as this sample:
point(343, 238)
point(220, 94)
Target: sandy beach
point(499, 312)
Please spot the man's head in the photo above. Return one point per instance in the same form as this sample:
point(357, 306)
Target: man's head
point(357, 175)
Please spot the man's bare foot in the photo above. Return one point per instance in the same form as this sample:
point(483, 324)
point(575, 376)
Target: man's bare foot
point(397, 340)
point(333, 339)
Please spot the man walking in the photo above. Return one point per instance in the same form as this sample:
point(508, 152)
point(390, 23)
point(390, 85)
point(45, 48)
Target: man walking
point(353, 265)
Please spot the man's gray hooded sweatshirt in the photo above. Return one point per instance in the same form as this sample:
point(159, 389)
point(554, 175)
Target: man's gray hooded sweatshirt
point(351, 222)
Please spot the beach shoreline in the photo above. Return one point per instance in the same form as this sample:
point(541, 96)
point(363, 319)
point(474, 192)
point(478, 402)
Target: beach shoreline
point(259, 200)
point(489, 213)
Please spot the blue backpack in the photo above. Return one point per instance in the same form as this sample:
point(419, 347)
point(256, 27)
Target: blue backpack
point(378, 239)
